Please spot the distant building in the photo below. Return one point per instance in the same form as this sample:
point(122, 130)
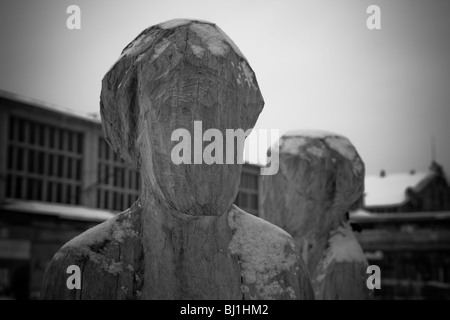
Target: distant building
point(249, 189)
point(408, 192)
point(31, 232)
point(58, 177)
point(406, 232)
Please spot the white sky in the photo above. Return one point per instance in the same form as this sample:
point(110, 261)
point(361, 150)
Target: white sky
point(317, 64)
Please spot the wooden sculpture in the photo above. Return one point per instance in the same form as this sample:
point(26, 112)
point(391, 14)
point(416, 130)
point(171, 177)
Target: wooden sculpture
point(320, 178)
point(183, 238)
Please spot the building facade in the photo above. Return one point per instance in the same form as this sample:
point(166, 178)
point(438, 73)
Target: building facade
point(406, 232)
point(408, 192)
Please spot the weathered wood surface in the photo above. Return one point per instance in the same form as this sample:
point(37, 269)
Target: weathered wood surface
point(320, 178)
point(183, 239)
point(168, 255)
point(341, 273)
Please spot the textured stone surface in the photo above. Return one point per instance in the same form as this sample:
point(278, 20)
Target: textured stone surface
point(183, 239)
point(321, 178)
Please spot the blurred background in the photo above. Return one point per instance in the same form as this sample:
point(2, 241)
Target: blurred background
point(318, 67)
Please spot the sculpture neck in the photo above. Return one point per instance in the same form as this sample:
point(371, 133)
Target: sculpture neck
point(178, 248)
point(152, 196)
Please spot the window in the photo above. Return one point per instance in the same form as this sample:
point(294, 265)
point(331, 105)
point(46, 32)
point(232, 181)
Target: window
point(44, 162)
point(118, 185)
point(247, 198)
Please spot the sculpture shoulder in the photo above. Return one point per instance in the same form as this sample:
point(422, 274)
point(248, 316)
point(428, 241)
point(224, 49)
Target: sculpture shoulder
point(270, 266)
point(247, 226)
point(106, 255)
point(341, 273)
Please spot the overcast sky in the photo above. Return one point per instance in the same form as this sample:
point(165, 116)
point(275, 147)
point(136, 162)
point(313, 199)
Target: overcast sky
point(317, 64)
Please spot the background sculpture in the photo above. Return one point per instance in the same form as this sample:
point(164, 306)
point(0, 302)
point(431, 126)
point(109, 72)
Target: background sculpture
point(321, 178)
point(183, 239)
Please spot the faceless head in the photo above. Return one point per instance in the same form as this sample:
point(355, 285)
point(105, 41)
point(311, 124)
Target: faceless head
point(321, 178)
point(171, 75)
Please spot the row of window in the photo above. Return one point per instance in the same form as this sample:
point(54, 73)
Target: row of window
point(409, 274)
point(26, 160)
point(43, 136)
point(118, 184)
point(45, 163)
point(247, 198)
point(22, 187)
point(118, 176)
point(247, 202)
point(115, 200)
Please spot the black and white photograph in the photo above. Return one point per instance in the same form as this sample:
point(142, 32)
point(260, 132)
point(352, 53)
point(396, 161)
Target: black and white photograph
point(225, 150)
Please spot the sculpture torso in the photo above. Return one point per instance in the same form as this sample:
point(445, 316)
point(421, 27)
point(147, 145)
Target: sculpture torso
point(341, 272)
point(136, 255)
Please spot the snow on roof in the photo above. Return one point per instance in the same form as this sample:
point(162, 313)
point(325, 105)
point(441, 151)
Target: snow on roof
point(70, 212)
point(391, 189)
point(361, 216)
point(48, 106)
point(360, 213)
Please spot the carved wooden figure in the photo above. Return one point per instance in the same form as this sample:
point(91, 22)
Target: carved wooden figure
point(183, 239)
point(320, 178)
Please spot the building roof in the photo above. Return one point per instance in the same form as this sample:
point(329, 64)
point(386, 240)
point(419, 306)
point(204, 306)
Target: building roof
point(48, 106)
point(68, 212)
point(391, 189)
point(361, 216)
